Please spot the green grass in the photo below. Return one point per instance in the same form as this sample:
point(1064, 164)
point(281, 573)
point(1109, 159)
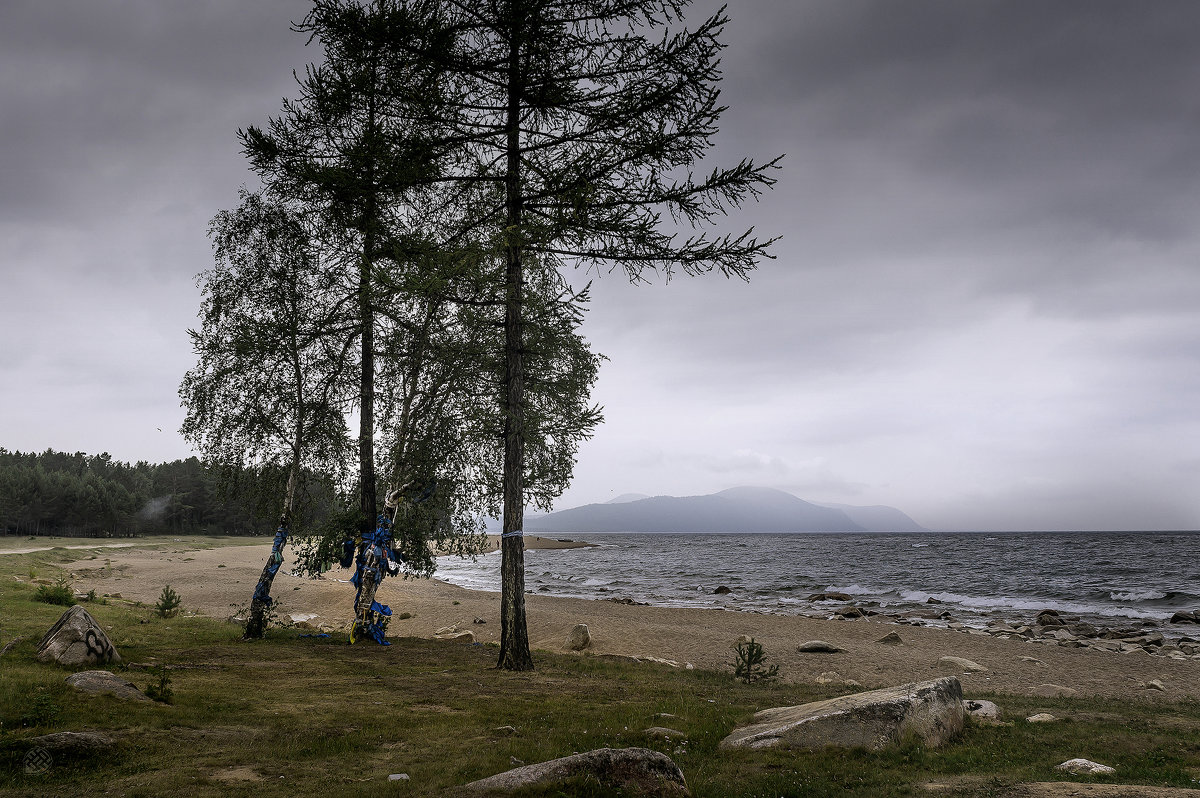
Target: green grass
point(314, 716)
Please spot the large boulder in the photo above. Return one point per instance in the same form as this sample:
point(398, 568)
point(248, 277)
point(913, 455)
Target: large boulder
point(579, 637)
point(932, 710)
point(76, 639)
point(105, 683)
point(636, 771)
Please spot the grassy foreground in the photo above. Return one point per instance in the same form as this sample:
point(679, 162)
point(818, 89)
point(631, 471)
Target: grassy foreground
point(293, 716)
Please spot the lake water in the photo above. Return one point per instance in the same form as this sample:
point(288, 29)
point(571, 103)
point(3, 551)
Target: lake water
point(1106, 578)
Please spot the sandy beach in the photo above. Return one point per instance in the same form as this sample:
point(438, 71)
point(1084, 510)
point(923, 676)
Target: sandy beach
point(215, 581)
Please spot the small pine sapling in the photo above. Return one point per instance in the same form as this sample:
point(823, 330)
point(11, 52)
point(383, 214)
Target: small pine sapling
point(161, 691)
point(168, 603)
point(748, 663)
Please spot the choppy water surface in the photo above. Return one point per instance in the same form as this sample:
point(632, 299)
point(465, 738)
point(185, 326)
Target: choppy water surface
point(1110, 579)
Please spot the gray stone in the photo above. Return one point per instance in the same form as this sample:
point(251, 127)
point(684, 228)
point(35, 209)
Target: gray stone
point(1041, 717)
point(633, 769)
point(465, 636)
point(1051, 691)
point(579, 638)
point(1155, 684)
point(1049, 618)
point(830, 597)
point(932, 710)
point(1085, 766)
point(76, 639)
point(985, 711)
point(664, 733)
point(818, 647)
point(1185, 617)
point(72, 743)
point(960, 665)
point(397, 777)
point(722, 590)
point(105, 683)
point(891, 639)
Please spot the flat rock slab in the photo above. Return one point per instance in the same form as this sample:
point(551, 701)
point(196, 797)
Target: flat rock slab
point(105, 683)
point(960, 664)
point(71, 744)
point(932, 710)
point(76, 639)
point(638, 771)
point(818, 647)
point(1085, 767)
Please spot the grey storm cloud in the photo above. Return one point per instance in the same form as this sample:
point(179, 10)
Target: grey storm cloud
point(983, 308)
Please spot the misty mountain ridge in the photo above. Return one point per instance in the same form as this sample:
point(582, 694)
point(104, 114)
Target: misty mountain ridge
point(742, 509)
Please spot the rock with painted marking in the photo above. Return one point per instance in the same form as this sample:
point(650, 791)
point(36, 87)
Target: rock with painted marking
point(76, 639)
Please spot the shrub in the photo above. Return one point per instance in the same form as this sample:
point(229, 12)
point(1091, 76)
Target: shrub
point(58, 593)
point(748, 663)
point(160, 691)
point(40, 711)
point(168, 603)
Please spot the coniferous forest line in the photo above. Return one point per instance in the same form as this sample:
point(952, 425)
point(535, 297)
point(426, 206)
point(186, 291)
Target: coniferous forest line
point(56, 493)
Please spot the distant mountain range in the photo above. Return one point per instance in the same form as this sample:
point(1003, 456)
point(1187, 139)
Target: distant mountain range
point(735, 510)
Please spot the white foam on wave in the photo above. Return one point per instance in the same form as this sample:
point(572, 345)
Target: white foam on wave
point(1137, 595)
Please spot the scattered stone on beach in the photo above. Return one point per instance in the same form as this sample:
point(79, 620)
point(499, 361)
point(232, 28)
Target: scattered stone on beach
point(722, 590)
point(851, 612)
point(579, 637)
point(983, 711)
point(1033, 660)
point(1049, 618)
point(105, 683)
point(1155, 684)
point(932, 711)
point(478, 620)
point(76, 639)
point(891, 639)
point(637, 770)
point(1051, 691)
point(1183, 616)
point(961, 664)
point(446, 630)
point(831, 597)
point(461, 637)
point(1085, 767)
point(1041, 717)
point(818, 647)
point(833, 677)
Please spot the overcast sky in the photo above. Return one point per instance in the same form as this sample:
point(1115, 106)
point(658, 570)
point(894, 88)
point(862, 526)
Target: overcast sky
point(983, 311)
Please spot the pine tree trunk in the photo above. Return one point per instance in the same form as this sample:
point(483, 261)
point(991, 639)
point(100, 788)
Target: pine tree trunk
point(366, 422)
point(514, 634)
